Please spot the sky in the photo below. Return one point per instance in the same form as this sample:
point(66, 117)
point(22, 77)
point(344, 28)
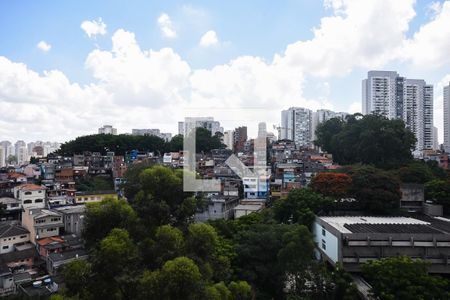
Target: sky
point(68, 67)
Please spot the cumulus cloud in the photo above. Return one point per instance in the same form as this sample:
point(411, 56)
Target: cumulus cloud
point(429, 48)
point(44, 46)
point(166, 26)
point(135, 87)
point(94, 27)
point(358, 34)
point(209, 39)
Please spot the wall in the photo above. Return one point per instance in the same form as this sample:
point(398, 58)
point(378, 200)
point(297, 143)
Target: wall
point(331, 242)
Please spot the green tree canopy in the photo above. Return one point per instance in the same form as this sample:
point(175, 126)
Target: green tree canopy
point(404, 278)
point(101, 217)
point(438, 190)
point(369, 139)
point(300, 206)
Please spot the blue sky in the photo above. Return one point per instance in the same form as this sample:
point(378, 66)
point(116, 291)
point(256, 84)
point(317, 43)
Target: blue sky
point(289, 63)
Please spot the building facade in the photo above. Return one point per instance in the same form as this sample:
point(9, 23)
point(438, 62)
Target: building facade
point(387, 94)
point(107, 129)
point(447, 118)
point(296, 125)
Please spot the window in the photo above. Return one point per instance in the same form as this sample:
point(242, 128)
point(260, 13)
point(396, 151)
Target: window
point(27, 202)
point(23, 236)
point(5, 247)
point(27, 193)
point(323, 231)
point(38, 201)
point(324, 245)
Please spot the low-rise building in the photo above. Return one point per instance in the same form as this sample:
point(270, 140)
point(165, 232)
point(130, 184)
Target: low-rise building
point(30, 195)
point(217, 207)
point(41, 223)
point(354, 240)
point(73, 218)
point(96, 196)
point(12, 235)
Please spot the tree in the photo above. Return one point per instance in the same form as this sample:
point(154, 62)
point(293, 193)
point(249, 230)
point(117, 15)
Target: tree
point(336, 185)
point(168, 244)
point(103, 216)
point(201, 241)
point(76, 276)
point(176, 143)
point(257, 249)
point(438, 190)
point(300, 206)
point(114, 265)
point(162, 200)
point(369, 139)
point(240, 290)
point(132, 184)
point(376, 191)
point(404, 278)
point(325, 132)
point(119, 144)
point(181, 278)
point(11, 159)
point(416, 172)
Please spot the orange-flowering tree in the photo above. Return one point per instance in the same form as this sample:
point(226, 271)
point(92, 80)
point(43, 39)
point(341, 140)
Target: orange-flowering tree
point(335, 185)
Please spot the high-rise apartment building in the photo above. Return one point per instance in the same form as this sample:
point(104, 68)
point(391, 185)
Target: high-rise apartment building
point(156, 132)
point(21, 152)
point(388, 94)
point(228, 139)
point(239, 138)
point(195, 122)
point(447, 118)
point(296, 125)
point(323, 115)
point(107, 129)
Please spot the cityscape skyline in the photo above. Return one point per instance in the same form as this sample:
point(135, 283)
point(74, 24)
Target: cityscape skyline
point(171, 57)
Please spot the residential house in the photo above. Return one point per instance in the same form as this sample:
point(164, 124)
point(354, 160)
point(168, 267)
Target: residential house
point(41, 223)
point(12, 235)
point(73, 218)
point(31, 195)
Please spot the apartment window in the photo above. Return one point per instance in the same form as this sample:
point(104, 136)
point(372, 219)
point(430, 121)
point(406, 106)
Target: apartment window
point(23, 236)
point(5, 247)
point(27, 202)
point(38, 201)
point(27, 193)
point(323, 231)
point(324, 245)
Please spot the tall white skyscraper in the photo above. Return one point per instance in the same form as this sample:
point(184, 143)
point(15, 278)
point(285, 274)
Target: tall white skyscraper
point(296, 125)
point(196, 122)
point(262, 129)
point(228, 139)
point(447, 118)
point(388, 94)
point(21, 152)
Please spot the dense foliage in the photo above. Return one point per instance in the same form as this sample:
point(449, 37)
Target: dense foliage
point(123, 143)
point(404, 278)
point(150, 248)
point(370, 139)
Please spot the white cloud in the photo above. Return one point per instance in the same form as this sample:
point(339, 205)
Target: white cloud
point(429, 48)
point(134, 87)
point(166, 26)
point(94, 27)
point(359, 34)
point(209, 39)
point(44, 46)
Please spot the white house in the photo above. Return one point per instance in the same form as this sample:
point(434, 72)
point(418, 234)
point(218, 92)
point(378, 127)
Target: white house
point(12, 235)
point(30, 195)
